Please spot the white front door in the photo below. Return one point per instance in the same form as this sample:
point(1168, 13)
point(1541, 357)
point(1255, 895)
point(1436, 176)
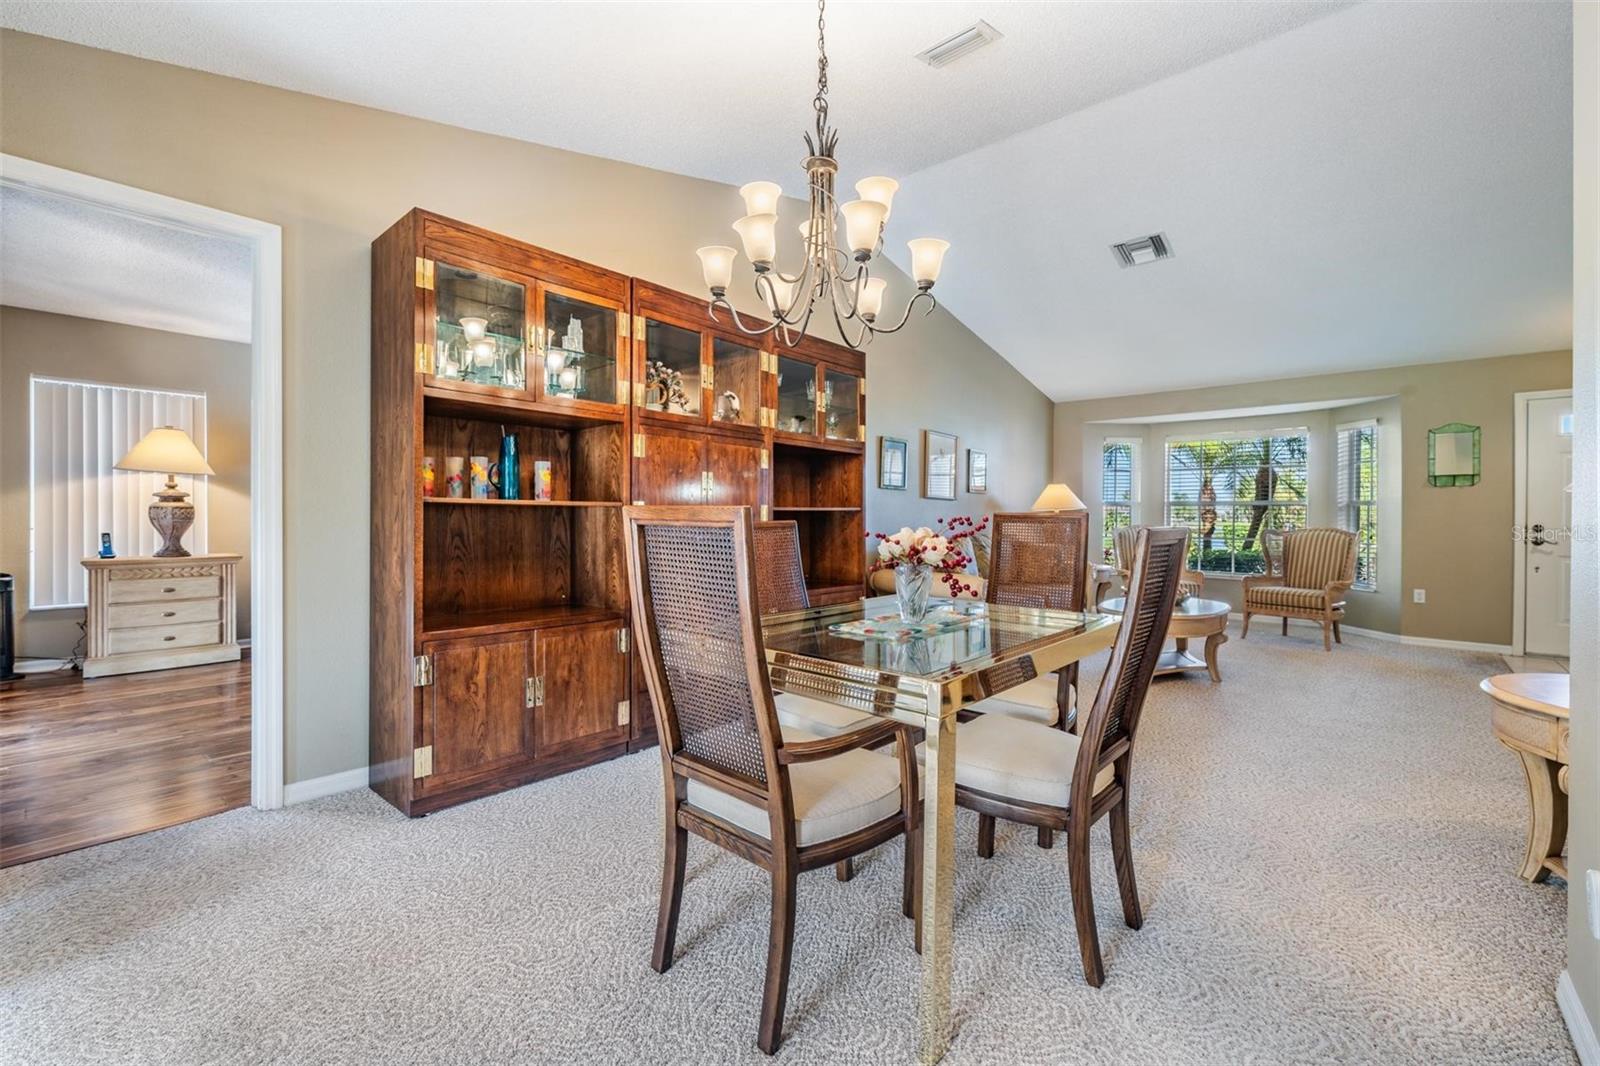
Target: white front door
point(1547, 537)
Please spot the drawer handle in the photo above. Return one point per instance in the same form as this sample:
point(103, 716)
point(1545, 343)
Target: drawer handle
point(168, 614)
point(169, 638)
point(169, 590)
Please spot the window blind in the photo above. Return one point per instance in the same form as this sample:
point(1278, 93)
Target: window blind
point(1118, 488)
point(1357, 496)
point(1227, 489)
point(77, 432)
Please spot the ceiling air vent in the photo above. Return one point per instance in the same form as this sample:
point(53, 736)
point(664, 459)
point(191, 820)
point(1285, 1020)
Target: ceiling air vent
point(1142, 250)
point(960, 45)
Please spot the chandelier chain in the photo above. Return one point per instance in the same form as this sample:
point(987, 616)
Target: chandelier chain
point(820, 102)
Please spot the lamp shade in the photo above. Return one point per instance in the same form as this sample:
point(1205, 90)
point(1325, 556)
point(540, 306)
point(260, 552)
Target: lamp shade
point(166, 450)
point(1058, 497)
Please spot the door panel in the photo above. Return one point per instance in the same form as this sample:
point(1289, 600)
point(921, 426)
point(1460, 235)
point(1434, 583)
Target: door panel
point(475, 713)
point(669, 471)
point(1548, 539)
point(585, 676)
point(735, 469)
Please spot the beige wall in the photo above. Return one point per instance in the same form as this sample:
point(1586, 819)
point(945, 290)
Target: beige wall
point(1583, 835)
point(109, 353)
point(334, 176)
point(1456, 543)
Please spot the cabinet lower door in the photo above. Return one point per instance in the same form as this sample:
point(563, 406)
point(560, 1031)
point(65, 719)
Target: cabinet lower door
point(733, 472)
point(585, 672)
point(672, 468)
point(475, 715)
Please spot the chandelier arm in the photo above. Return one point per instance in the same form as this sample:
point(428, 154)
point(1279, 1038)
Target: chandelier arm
point(906, 317)
point(738, 323)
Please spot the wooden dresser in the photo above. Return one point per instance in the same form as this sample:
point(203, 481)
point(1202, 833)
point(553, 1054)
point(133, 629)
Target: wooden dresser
point(154, 614)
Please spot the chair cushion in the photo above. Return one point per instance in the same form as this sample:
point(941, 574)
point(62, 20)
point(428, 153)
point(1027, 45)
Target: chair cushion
point(816, 717)
point(1034, 700)
point(1283, 596)
point(1315, 557)
point(1017, 759)
point(833, 797)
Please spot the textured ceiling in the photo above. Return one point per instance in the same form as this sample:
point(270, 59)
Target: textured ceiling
point(72, 258)
point(1344, 186)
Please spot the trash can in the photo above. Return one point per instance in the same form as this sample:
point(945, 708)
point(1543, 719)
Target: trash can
point(8, 631)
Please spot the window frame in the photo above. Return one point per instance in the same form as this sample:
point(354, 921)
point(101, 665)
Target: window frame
point(1301, 506)
point(1352, 511)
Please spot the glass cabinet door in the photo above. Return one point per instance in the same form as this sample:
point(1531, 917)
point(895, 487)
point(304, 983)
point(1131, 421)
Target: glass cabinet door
point(579, 349)
point(735, 383)
point(797, 396)
point(841, 406)
point(478, 327)
point(671, 372)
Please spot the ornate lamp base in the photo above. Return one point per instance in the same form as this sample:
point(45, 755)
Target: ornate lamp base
point(172, 514)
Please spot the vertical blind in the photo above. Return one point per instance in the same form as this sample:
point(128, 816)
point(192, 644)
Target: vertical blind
point(1357, 503)
point(1117, 481)
point(1226, 490)
point(78, 431)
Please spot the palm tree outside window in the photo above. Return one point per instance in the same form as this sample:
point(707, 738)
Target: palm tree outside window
point(1226, 490)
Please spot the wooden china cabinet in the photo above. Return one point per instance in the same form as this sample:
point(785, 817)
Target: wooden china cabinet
point(500, 648)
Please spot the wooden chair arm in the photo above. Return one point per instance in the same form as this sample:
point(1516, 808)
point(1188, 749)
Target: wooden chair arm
point(827, 747)
point(1259, 579)
point(1335, 589)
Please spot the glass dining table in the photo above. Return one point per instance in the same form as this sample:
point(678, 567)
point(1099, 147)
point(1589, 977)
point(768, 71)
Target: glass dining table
point(925, 681)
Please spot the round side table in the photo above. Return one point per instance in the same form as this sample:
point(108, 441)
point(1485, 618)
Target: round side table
point(1193, 619)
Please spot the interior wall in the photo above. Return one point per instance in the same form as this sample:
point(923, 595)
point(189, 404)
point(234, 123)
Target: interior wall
point(334, 176)
point(1375, 609)
point(1583, 832)
point(1455, 542)
point(110, 353)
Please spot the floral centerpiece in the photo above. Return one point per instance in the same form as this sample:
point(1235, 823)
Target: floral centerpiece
point(914, 555)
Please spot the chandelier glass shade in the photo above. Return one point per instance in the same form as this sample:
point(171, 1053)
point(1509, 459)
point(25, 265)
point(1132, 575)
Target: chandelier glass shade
point(834, 278)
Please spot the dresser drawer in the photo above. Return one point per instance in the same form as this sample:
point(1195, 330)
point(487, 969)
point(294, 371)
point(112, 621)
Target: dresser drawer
point(157, 638)
point(132, 615)
point(157, 589)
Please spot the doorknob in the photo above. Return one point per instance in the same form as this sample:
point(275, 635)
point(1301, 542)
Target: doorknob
point(1538, 538)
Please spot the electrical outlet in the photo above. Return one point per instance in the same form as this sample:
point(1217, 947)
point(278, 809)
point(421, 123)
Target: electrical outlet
point(1419, 595)
point(1593, 894)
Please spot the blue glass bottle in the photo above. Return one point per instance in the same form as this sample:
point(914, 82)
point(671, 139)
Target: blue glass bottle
point(510, 479)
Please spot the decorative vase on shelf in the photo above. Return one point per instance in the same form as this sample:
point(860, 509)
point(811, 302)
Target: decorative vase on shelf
point(912, 582)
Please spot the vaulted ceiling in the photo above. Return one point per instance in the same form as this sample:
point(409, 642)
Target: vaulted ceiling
point(1344, 185)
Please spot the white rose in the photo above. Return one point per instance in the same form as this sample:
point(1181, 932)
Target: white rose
point(885, 551)
point(923, 533)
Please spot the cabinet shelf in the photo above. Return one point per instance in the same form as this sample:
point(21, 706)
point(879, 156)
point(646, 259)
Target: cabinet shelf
point(478, 623)
point(467, 501)
point(463, 400)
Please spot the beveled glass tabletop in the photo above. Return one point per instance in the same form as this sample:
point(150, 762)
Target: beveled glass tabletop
point(995, 635)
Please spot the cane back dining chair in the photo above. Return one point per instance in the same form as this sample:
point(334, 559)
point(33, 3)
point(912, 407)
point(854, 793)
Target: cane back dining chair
point(1318, 568)
point(1024, 772)
point(730, 775)
point(1039, 559)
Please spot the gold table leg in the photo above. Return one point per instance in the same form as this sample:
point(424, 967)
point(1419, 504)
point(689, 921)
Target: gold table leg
point(938, 880)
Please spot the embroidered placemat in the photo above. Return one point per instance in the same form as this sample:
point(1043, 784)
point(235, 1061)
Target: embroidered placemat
point(890, 627)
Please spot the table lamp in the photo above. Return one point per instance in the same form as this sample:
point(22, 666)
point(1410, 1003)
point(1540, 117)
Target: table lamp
point(168, 450)
point(1058, 497)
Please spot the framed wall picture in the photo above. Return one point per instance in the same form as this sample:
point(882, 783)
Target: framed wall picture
point(892, 453)
point(977, 471)
point(938, 465)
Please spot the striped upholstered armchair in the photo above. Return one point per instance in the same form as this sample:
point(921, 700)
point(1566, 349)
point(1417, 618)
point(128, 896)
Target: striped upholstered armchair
point(1191, 583)
point(1318, 567)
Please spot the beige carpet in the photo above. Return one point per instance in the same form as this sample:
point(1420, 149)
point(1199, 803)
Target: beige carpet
point(1325, 849)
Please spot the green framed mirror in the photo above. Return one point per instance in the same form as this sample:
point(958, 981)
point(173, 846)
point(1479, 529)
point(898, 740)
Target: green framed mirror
point(1455, 453)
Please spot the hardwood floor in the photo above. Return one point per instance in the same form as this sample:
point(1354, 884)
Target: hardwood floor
point(85, 762)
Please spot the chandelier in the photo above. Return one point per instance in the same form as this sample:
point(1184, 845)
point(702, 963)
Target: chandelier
point(838, 279)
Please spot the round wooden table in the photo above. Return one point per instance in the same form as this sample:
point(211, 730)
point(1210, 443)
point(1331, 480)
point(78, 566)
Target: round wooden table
point(1193, 619)
point(1532, 718)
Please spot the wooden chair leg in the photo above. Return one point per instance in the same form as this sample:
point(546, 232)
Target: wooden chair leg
point(1083, 900)
point(1122, 853)
point(780, 947)
point(844, 869)
point(1244, 628)
point(1327, 635)
point(985, 836)
point(1285, 625)
point(1338, 638)
point(673, 858)
point(1047, 838)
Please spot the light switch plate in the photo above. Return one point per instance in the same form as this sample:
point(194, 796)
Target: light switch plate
point(1419, 595)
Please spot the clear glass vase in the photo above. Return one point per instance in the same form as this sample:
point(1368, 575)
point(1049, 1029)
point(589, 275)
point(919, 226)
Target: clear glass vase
point(912, 582)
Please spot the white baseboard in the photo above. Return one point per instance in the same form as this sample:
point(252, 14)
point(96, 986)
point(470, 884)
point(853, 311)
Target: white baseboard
point(1392, 638)
point(331, 785)
point(1578, 1023)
